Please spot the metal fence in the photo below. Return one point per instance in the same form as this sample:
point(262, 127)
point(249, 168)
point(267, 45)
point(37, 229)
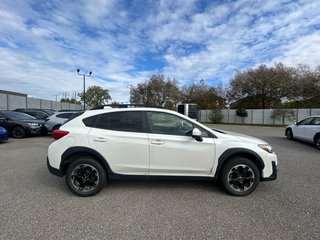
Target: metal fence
point(260, 116)
point(12, 101)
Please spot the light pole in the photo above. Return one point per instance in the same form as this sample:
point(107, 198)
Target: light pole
point(84, 86)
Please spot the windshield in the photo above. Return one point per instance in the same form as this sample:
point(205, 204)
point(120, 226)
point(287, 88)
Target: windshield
point(19, 116)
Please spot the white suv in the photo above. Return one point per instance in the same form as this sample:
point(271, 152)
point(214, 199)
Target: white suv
point(102, 144)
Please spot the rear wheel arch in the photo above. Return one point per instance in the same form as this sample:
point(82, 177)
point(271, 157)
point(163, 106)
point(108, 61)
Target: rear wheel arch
point(75, 153)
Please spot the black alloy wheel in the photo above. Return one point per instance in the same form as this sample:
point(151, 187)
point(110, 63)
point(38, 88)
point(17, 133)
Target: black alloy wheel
point(18, 132)
point(240, 176)
point(85, 177)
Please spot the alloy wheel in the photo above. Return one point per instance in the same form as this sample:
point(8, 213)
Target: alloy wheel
point(241, 178)
point(85, 177)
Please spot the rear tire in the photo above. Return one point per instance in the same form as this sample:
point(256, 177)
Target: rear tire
point(317, 142)
point(240, 177)
point(85, 177)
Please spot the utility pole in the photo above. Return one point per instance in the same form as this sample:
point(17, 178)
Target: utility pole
point(84, 86)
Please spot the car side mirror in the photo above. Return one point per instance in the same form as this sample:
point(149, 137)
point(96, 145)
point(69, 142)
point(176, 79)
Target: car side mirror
point(196, 134)
point(3, 119)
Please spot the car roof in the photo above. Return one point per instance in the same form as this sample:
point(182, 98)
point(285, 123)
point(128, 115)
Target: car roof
point(93, 112)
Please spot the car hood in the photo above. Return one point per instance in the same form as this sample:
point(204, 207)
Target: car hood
point(38, 121)
point(241, 137)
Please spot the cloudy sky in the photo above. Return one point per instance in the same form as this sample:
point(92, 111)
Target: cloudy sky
point(42, 43)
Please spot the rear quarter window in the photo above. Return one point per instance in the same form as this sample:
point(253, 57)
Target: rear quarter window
point(130, 121)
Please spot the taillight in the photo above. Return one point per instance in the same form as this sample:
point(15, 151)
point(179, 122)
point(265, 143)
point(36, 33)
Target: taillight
point(57, 134)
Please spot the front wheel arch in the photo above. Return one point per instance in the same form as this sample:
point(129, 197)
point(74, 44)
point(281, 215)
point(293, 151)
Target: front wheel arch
point(229, 154)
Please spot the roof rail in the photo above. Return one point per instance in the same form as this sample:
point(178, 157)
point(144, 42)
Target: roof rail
point(131, 105)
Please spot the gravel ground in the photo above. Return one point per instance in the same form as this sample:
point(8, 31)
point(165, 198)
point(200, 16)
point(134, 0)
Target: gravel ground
point(37, 205)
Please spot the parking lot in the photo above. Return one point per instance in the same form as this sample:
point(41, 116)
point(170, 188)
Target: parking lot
point(37, 205)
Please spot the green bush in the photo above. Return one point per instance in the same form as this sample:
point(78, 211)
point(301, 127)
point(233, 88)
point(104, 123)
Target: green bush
point(242, 112)
point(216, 116)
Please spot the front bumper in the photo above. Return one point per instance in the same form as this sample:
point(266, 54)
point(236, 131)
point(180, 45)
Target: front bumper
point(35, 130)
point(274, 174)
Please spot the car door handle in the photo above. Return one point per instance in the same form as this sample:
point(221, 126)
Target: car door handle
point(157, 142)
point(100, 139)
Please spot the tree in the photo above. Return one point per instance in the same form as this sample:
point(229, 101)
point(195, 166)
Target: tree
point(69, 100)
point(307, 83)
point(156, 91)
point(206, 97)
point(275, 87)
point(96, 96)
point(263, 87)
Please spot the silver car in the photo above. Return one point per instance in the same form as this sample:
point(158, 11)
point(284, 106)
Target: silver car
point(57, 119)
point(307, 130)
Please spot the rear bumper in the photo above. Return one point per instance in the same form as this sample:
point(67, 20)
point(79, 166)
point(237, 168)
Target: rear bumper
point(53, 170)
point(274, 174)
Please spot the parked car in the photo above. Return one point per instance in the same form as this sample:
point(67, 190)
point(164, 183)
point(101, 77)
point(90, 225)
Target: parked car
point(54, 121)
point(116, 142)
point(36, 113)
point(3, 134)
point(20, 125)
point(307, 130)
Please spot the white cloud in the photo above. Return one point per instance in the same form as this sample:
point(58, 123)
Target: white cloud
point(304, 50)
point(43, 43)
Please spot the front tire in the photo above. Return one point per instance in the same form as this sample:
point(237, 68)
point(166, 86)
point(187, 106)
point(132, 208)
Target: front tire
point(289, 134)
point(240, 177)
point(85, 177)
point(18, 132)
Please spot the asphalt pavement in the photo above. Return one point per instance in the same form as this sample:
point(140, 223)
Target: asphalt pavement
point(37, 205)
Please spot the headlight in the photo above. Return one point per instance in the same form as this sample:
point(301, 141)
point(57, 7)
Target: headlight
point(33, 124)
point(266, 147)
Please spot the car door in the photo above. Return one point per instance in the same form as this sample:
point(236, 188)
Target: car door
point(120, 137)
point(303, 129)
point(315, 128)
point(173, 151)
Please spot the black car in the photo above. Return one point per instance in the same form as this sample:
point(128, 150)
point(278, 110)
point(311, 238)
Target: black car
point(36, 113)
point(20, 125)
